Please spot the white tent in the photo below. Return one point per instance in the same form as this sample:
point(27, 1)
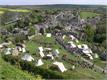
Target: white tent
point(48, 49)
point(41, 54)
point(8, 51)
point(72, 44)
point(72, 37)
point(1, 46)
point(73, 67)
point(57, 51)
point(39, 63)
point(50, 55)
point(19, 48)
point(27, 57)
point(79, 46)
point(48, 35)
point(96, 55)
point(85, 46)
point(23, 50)
point(60, 66)
point(40, 49)
point(63, 37)
point(76, 41)
point(87, 51)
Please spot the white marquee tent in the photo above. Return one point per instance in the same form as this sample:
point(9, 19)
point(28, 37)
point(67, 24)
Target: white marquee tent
point(50, 55)
point(48, 35)
point(72, 37)
point(63, 37)
point(8, 51)
point(39, 63)
point(41, 52)
point(72, 44)
point(1, 45)
point(27, 57)
point(60, 66)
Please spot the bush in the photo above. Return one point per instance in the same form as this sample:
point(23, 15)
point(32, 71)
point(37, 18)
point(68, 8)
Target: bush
point(18, 38)
point(31, 31)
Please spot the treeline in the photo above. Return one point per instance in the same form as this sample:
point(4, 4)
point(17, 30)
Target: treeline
point(100, 33)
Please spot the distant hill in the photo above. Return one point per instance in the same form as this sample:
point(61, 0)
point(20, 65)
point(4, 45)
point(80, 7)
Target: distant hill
point(61, 6)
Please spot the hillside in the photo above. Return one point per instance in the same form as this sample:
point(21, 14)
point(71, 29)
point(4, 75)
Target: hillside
point(9, 72)
point(72, 35)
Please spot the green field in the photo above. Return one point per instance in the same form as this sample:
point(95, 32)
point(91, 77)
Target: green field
point(85, 15)
point(3, 10)
point(18, 10)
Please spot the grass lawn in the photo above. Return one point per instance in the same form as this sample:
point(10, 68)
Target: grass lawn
point(85, 15)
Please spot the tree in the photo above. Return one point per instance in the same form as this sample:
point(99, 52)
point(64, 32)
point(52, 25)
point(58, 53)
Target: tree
point(100, 34)
point(31, 31)
point(18, 38)
point(89, 30)
point(99, 38)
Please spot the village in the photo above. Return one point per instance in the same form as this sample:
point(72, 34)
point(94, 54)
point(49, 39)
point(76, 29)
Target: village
point(56, 44)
